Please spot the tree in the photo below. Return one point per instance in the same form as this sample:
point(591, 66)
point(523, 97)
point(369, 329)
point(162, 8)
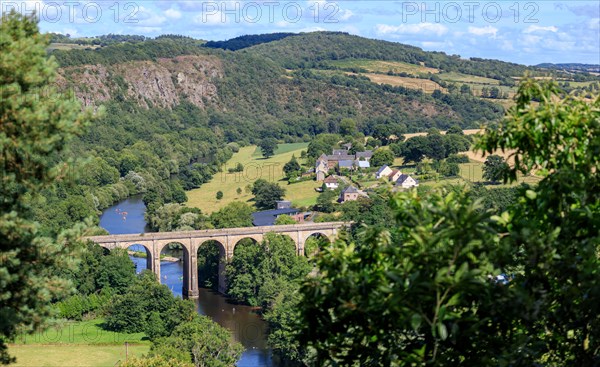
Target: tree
point(495, 92)
point(36, 125)
point(284, 219)
point(348, 127)
point(465, 89)
point(455, 130)
point(268, 146)
point(267, 193)
point(381, 157)
point(291, 166)
point(414, 149)
point(219, 195)
point(234, 215)
point(494, 168)
point(436, 150)
point(239, 191)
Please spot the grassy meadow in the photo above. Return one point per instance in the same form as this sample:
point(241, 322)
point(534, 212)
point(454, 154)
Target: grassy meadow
point(78, 344)
point(255, 167)
point(379, 66)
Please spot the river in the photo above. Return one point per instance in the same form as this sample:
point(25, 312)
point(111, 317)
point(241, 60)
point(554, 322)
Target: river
point(244, 324)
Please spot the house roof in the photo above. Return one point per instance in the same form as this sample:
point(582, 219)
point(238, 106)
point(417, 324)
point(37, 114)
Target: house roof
point(363, 164)
point(340, 157)
point(346, 164)
point(339, 152)
point(323, 157)
point(403, 178)
point(350, 190)
point(365, 154)
point(268, 217)
point(393, 173)
point(331, 179)
point(382, 169)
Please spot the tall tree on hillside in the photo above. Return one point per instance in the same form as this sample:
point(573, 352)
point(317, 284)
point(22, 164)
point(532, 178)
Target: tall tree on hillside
point(267, 193)
point(494, 168)
point(36, 123)
point(268, 146)
point(381, 157)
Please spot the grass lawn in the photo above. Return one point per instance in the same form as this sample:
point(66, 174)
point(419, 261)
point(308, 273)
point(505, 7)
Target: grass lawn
point(80, 355)
point(78, 344)
point(255, 167)
point(80, 332)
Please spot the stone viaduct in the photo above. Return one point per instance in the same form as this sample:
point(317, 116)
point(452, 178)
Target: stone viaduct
point(226, 239)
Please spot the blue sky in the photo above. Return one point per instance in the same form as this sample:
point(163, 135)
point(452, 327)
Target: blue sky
point(527, 32)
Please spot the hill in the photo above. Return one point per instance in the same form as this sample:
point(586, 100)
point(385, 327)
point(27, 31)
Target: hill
point(175, 107)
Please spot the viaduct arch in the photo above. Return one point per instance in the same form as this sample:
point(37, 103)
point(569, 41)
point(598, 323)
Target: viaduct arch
point(227, 237)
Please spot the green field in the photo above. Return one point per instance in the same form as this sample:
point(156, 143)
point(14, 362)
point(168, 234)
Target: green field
point(379, 66)
point(81, 355)
point(80, 332)
point(79, 344)
point(255, 167)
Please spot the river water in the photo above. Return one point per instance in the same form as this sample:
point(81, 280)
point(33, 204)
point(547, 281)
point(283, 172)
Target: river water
point(245, 325)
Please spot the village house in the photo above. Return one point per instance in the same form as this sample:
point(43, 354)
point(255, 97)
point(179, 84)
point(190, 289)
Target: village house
point(384, 171)
point(331, 182)
point(405, 182)
point(343, 159)
point(350, 193)
point(394, 175)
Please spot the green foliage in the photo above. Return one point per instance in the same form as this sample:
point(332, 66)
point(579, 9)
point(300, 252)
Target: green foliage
point(267, 193)
point(268, 146)
point(322, 144)
point(284, 219)
point(176, 217)
point(381, 157)
point(234, 215)
point(423, 291)
point(156, 361)
point(291, 166)
point(327, 200)
point(257, 273)
point(554, 228)
point(494, 168)
point(434, 146)
point(219, 195)
point(430, 287)
point(201, 342)
point(76, 306)
point(36, 126)
point(209, 256)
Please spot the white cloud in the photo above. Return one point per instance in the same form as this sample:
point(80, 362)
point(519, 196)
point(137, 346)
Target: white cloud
point(484, 31)
point(345, 15)
point(173, 13)
point(421, 28)
point(537, 28)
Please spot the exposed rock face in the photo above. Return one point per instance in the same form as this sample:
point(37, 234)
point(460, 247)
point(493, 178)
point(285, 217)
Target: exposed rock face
point(163, 83)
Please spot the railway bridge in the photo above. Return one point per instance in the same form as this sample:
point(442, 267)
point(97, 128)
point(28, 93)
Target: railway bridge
point(226, 239)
